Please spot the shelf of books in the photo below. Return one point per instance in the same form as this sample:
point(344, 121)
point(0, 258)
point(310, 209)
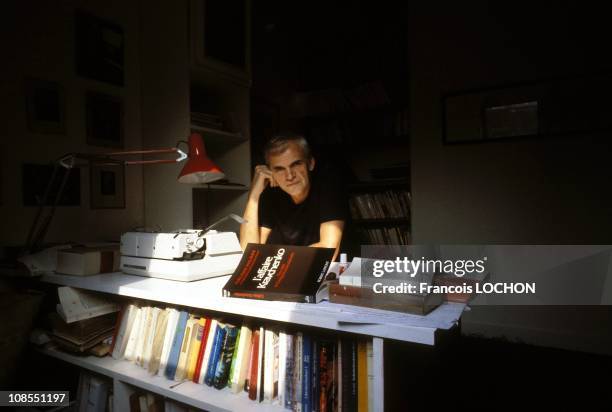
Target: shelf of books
point(212, 364)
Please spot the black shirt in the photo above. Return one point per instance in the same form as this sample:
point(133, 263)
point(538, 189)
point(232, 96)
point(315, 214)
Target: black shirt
point(299, 224)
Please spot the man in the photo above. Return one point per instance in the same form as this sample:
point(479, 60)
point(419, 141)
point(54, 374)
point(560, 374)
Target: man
point(288, 203)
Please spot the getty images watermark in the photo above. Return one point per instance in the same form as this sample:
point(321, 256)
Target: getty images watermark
point(492, 274)
point(458, 268)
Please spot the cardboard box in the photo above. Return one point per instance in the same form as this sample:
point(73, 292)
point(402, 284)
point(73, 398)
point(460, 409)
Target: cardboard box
point(82, 260)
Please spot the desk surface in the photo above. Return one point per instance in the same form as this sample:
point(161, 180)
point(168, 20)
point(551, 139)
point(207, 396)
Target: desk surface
point(206, 294)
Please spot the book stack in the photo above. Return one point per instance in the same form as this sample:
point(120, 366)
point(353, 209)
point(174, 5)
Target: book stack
point(390, 204)
point(297, 370)
point(83, 319)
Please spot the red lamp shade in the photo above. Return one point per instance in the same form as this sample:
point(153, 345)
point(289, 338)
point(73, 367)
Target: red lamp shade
point(199, 167)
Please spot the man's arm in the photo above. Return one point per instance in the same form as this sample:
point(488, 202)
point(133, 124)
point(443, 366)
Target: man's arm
point(330, 235)
point(250, 231)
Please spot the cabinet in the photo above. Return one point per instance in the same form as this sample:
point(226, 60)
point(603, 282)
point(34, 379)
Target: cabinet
point(206, 294)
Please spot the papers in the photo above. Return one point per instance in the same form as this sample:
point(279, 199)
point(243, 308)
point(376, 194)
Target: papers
point(78, 305)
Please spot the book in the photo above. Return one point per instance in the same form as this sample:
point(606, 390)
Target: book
point(76, 304)
point(130, 348)
point(150, 337)
point(362, 377)
point(188, 340)
point(225, 357)
point(237, 380)
point(173, 317)
point(366, 297)
point(209, 344)
point(121, 338)
point(314, 380)
point(83, 260)
point(289, 369)
point(297, 372)
point(175, 349)
point(198, 365)
point(271, 365)
point(282, 366)
point(370, 368)
point(158, 341)
point(215, 353)
point(306, 373)
point(279, 272)
point(260, 364)
point(194, 349)
point(234, 357)
point(254, 362)
point(142, 335)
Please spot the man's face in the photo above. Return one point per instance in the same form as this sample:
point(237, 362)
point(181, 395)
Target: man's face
point(290, 169)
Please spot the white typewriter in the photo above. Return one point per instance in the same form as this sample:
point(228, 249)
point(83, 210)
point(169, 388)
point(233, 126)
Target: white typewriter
point(184, 255)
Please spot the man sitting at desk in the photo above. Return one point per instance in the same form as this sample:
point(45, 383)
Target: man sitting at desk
point(289, 203)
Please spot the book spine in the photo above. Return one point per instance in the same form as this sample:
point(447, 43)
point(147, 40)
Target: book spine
point(297, 373)
point(225, 360)
point(289, 368)
point(198, 367)
point(233, 367)
point(253, 367)
point(315, 376)
point(362, 377)
point(215, 353)
point(176, 346)
point(306, 373)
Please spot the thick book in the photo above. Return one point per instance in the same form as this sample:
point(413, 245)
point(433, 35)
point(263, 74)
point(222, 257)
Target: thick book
point(306, 373)
point(188, 339)
point(194, 349)
point(212, 331)
point(173, 318)
point(234, 357)
point(362, 377)
point(279, 272)
point(158, 341)
point(123, 332)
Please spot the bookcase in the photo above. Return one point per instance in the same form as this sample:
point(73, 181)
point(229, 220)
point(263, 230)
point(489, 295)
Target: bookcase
point(206, 294)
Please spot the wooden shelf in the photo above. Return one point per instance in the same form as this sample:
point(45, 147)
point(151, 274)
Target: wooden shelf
point(196, 395)
point(206, 294)
point(216, 136)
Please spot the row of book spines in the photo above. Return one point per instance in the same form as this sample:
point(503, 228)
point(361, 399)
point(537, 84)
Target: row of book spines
point(383, 205)
point(394, 235)
point(327, 376)
point(175, 344)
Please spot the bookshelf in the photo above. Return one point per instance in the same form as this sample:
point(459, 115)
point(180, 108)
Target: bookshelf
point(206, 294)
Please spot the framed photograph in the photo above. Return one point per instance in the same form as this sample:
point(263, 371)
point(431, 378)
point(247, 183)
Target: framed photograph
point(107, 183)
point(104, 120)
point(45, 106)
point(100, 48)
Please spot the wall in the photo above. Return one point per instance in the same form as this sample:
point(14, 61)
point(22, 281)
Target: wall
point(547, 191)
point(38, 41)
point(164, 58)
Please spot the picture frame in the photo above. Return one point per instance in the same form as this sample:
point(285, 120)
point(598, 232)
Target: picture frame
point(107, 186)
point(104, 120)
point(45, 106)
point(99, 49)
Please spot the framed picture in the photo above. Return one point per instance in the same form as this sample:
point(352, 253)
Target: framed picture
point(45, 106)
point(107, 183)
point(99, 49)
point(104, 121)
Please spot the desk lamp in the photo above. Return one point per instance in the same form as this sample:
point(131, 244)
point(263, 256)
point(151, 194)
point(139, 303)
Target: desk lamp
point(198, 169)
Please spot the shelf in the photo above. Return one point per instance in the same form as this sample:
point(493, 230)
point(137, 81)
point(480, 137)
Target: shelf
point(213, 186)
point(206, 294)
point(199, 396)
point(400, 221)
point(215, 136)
point(380, 185)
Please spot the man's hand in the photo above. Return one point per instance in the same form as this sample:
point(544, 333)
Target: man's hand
point(261, 179)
